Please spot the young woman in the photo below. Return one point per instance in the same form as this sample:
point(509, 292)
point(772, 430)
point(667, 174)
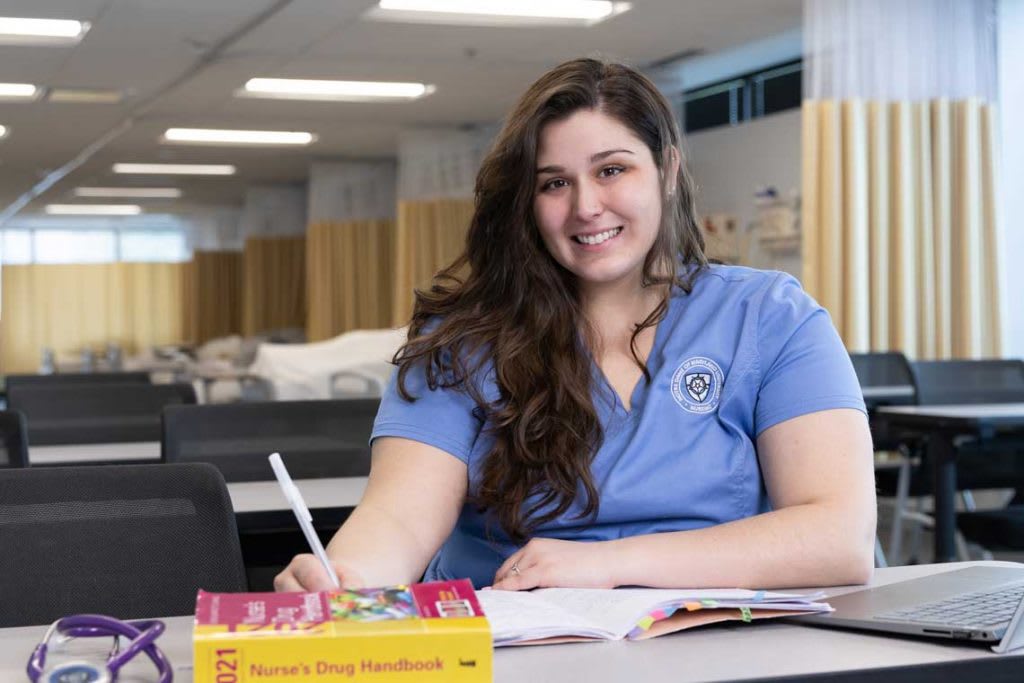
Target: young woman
point(584, 401)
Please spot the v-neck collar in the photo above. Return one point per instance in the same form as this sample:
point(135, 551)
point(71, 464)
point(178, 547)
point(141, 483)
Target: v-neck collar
point(653, 362)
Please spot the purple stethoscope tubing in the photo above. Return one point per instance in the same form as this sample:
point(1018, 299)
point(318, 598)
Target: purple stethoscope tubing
point(141, 633)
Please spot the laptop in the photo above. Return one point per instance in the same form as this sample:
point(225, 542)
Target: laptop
point(984, 604)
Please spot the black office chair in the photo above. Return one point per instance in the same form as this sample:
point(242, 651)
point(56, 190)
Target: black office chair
point(883, 369)
point(951, 382)
point(13, 439)
point(125, 540)
point(878, 370)
point(96, 413)
point(65, 379)
point(316, 439)
point(958, 382)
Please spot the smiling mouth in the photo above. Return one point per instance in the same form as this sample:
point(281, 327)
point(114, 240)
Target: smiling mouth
point(599, 238)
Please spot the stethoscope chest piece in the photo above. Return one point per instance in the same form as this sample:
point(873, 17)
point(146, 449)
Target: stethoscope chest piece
point(76, 672)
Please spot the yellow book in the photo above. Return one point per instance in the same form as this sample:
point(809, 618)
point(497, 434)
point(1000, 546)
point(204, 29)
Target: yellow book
point(424, 632)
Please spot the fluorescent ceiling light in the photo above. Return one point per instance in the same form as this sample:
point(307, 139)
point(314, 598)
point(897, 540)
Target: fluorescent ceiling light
point(176, 169)
point(20, 91)
point(84, 95)
point(498, 12)
point(349, 91)
point(93, 209)
point(3, 132)
point(133, 192)
point(211, 136)
point(21, 30)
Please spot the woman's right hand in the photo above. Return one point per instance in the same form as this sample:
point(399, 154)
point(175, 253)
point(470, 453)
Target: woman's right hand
point(305, 573)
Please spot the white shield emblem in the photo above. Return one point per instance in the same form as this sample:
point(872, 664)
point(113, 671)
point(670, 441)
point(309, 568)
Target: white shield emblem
point(697, 386)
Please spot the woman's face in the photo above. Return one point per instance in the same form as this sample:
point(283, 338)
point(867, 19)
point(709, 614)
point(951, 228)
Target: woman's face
point(598, 198)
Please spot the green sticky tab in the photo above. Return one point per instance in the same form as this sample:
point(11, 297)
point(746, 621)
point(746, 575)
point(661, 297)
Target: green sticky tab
point(709, 603)
point(746, 615)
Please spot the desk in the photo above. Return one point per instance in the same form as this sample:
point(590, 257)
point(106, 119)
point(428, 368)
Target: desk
point(728, 652)
point(267, 531)
point(882, 394)
point(266, 496)
point(943, 426)
point(94, 453)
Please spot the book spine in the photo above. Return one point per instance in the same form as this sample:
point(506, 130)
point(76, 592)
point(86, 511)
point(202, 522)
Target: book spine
point(457, 656)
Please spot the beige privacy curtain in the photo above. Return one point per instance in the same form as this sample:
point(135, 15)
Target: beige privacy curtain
point(74, 306)
point(429, 235)
point(213, 295)
point(349, 276)
point(274, 290)
point(899, 235)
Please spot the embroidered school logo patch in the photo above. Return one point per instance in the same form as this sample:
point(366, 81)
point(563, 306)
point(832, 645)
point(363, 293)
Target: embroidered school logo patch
point(697, 385)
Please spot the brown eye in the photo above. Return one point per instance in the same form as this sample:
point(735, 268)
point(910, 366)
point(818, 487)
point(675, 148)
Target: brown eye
point(610, 171)
point(553, 184)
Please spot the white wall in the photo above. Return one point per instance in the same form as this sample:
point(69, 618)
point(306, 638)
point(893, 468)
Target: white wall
point(274, 211)
point(1011, 209)
point(215, 229)
point(729, 163)
point(352, 190)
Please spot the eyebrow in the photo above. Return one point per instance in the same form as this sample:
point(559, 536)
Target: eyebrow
point(596, 157)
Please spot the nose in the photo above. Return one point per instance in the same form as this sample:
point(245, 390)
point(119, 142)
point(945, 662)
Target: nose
point(589, 201)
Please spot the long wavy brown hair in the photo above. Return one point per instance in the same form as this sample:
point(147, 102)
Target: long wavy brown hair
point(507, 309)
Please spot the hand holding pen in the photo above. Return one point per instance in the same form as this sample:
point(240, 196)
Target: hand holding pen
point(313, 572)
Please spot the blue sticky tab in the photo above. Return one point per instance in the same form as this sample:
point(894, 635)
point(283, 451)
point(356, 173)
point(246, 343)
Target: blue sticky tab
point(758, 596)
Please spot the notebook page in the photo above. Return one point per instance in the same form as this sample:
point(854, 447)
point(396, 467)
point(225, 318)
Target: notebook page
point(617, 611)
point(518, 615)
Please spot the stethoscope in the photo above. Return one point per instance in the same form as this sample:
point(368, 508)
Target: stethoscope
point(141, 635)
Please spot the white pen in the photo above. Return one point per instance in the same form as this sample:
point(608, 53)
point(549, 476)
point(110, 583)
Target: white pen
point(294, 498)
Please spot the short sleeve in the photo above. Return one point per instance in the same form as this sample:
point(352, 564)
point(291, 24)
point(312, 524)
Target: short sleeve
point(443, 418)
point(804, 365)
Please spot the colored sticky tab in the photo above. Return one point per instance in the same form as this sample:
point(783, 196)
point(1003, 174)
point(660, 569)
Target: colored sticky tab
point(691, 606)
point(758, 596)
point(709, 603)
point(645, 623)
point(746, 615)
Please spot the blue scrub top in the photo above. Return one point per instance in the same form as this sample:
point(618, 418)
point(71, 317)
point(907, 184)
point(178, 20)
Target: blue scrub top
point(745, 350)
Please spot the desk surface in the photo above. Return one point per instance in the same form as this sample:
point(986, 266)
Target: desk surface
point(730, 652)
point(93, 452)
point(266, 496)
point(887, 391)
point(967, 410)
point(952, 418)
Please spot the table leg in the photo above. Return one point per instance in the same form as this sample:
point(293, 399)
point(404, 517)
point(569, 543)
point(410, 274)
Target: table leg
point(942, 455)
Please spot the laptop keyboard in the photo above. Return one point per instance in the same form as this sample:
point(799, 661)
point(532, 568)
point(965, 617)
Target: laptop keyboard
point(981, 608)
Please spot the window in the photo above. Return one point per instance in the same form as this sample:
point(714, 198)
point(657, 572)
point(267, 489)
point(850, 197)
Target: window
point(163, 245)
point(747, 97)
point(15, 247)
point(49, 239)
point(778, 89)
point(75, 246)
point(718, 105)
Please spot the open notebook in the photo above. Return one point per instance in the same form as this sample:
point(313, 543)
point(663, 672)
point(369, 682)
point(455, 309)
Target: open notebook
point(558, 615)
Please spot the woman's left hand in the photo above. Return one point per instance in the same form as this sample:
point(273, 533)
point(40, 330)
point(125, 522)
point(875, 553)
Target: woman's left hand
point(549, 563)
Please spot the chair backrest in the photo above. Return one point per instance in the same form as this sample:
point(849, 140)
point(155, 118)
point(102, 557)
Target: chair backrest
point(948, 382)
point(885, 368)
point(877, 370)
point(64, 379)
point(125, 540)
point(96, 413)
point(13, 439)
point(316, 439)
